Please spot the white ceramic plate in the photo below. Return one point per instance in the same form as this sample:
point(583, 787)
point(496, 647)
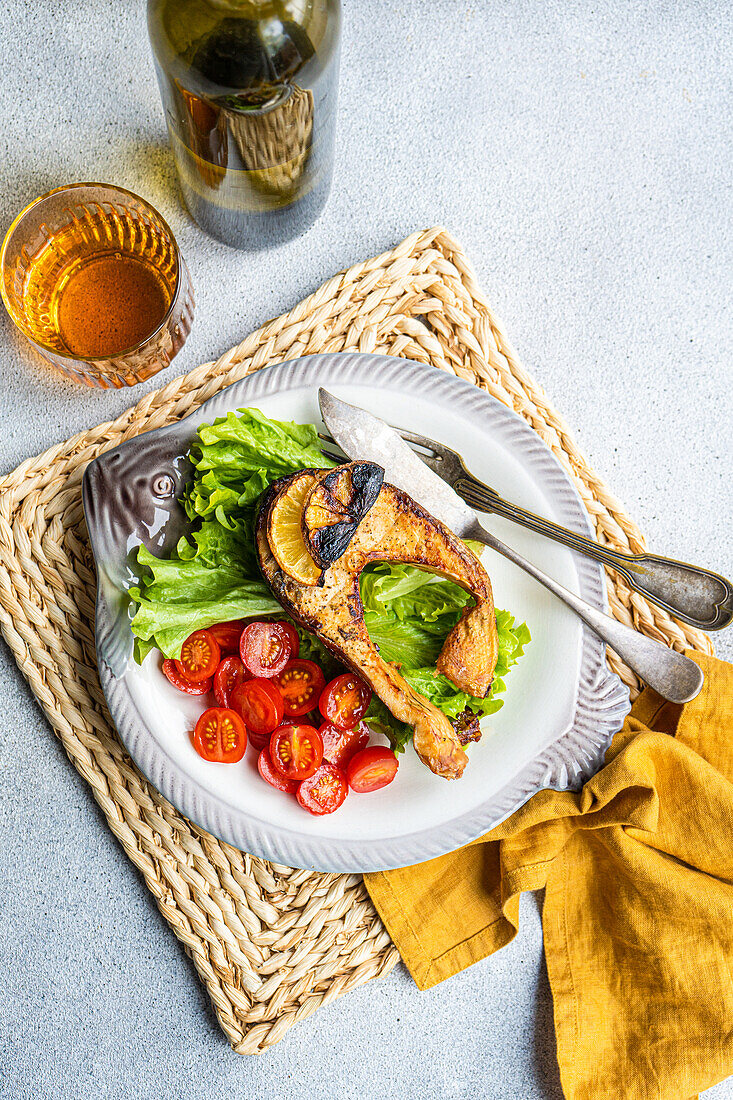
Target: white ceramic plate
point(562, 704)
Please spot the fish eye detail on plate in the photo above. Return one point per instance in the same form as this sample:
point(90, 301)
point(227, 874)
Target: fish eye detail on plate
point(375, 591)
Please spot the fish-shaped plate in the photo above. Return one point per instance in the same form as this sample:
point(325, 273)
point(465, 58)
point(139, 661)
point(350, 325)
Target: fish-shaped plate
point(562, 703)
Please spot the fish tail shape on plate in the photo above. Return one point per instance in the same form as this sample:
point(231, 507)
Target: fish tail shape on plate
point(371, 522)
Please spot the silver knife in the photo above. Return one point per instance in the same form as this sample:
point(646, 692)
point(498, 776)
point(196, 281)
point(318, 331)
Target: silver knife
point(364, 437)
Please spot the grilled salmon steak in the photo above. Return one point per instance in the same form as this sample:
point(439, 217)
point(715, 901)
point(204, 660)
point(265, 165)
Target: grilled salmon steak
point(350, 518)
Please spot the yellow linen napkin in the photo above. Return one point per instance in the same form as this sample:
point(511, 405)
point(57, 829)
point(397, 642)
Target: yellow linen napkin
point(638, 912)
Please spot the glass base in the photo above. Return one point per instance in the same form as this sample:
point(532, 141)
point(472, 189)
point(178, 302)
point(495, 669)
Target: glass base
point(256, 231)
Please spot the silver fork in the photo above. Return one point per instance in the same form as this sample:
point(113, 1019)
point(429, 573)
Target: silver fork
point(696, 596)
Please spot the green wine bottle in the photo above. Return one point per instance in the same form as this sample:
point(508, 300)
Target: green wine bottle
point(249, 89)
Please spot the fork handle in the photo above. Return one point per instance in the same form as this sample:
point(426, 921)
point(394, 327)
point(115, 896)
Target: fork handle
point(696, 596)
point(671, 674)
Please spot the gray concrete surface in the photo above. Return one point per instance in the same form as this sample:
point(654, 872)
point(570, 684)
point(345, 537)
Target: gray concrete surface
point(582, 154)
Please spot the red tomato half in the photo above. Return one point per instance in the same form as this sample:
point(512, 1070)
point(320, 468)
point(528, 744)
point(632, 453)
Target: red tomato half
point(228, 675)
point(174, 674)
point(228, 634)
point(301, 683)
point(340, 745)
point(260, 704)
point(371, 769)
point(294, 639)
point(200, 656)
point(324, 791)
point(296, 751)
point(271, 775)
point(265, 648)
point(220, 736)
point(345, 700)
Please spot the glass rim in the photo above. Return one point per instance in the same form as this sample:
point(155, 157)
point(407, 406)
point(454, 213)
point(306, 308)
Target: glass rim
point(69, 355)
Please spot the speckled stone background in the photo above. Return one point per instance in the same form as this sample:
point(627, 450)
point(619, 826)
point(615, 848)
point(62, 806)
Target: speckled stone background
point(582, 154)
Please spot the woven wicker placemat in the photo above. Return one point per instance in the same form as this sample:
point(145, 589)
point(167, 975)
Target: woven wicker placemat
point(270, 943)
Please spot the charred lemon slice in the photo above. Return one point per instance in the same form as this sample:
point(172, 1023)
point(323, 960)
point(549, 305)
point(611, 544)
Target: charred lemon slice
point(285, 531)
point(335, 507)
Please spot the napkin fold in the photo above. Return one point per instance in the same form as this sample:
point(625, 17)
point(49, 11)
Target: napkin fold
point(637, 869)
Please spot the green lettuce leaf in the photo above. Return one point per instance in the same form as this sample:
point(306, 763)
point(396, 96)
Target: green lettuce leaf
point(381, 720)
point(182, 595)
point(240, 454)
point(411, 593)
point(446, 696)
point(413, 646)
point(402, 642)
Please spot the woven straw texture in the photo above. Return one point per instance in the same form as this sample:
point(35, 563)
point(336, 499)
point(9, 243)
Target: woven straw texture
point(270, 943)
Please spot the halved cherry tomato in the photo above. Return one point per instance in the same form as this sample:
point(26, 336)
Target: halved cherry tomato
point(265, 648)
point(174, 674)
point(296, 751)
point(271, 775)
point(324, 791)
point(371, 769)
point(228, 675)
point(301, 683)
point(345, 700)
point(340, 745)
point(228, 634)
point(260, 705)
point(220, 736)
point(294, 639)
point(200, 656)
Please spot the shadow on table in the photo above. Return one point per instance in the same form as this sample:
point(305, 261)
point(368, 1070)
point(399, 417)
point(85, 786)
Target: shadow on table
point(79, 792)
point(546, 1068)
point(140, 164)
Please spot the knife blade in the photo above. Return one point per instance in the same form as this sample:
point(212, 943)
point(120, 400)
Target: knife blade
point(364, 437)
